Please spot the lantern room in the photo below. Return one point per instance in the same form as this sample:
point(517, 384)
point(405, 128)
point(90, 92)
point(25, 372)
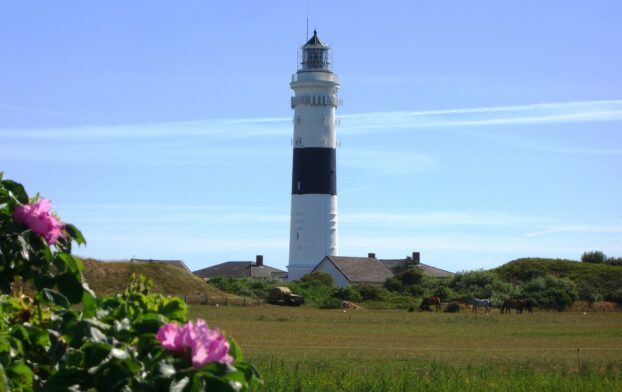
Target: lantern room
point(314, 55)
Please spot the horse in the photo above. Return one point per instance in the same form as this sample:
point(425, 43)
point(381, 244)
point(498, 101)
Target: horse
point(510, 304)
point(426, 302)
point(529, 304)
point(486, 303)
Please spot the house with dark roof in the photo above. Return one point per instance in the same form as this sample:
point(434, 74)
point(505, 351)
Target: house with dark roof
point(176, 263)
point(354, 270)
point(370, 270)
point(242, 269)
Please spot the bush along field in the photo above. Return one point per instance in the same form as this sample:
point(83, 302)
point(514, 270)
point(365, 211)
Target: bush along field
point(551, 284)
point(64, 338)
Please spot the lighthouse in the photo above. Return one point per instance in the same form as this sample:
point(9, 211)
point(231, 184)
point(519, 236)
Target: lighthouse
point(313, 225)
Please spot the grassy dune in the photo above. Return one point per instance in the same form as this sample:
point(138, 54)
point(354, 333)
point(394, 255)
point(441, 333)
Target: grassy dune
point(112, 277)
point(303, 349)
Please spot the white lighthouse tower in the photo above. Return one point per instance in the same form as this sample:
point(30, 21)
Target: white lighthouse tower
point(313, 229)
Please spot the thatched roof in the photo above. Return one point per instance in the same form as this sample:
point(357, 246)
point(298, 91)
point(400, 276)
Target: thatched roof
point(359, 269)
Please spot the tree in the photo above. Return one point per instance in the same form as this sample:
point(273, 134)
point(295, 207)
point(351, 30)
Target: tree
point(614, 261)
point(323, 278)
point(595, 257)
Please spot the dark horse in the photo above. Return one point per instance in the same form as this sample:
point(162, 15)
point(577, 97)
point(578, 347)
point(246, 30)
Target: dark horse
point(519, 304)
point(509, 304)
point(425, 304)
point(530, 303)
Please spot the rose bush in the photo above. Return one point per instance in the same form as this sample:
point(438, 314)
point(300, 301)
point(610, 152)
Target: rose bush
point(55, 335)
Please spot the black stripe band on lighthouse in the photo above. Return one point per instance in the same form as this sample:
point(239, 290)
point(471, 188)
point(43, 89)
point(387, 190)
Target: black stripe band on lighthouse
point(313, 226)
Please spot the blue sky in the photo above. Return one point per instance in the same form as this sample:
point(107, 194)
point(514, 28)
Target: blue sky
point(473, 132)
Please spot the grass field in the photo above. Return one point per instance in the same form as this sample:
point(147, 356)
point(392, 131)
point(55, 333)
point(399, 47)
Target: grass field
point(305, 349)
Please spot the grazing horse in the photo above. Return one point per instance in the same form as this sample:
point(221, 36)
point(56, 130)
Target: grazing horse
point(425, 304)
point(486, 303)
point(510, 304)
point(529, 304)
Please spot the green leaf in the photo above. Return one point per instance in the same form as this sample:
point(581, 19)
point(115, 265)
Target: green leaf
point(70, 286)
point(178, 386)
point(95, 353)
point(166, 369)
point(4, 381)
point(75, 234)
point(148, 323)
point(39, 337)
point(23, 247)
point(62, 380)
point(72, 263)
point(16, 191)
point(49, 295)
point(89, 302)
point(234, 350)
point(20, 373)
point(73, 357)
point(217, 385)
point(174, 309)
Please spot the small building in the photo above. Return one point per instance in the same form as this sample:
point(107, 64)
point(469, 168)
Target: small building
point(354, 270)
point(176, 263)
point(242, 269)
point(370, 270)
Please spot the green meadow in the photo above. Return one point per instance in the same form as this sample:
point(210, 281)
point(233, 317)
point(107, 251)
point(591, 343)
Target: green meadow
point(307, 349)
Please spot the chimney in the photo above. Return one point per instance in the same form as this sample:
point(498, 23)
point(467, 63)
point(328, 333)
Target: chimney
point(371, 255)
point(259, 261)
point(416, 258)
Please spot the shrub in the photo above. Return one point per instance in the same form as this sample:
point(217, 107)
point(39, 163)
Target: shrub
point(410, 276)
point(313, 291)
point(453, 307)
point(246, 287)
point(331, 303)
point(595, 257)
point(394, 284)
point(474, 283)
point(369, 292)
point(323, 278)
point(551, 291)
point(348, 293)
point(589, 293)
point(109, 343)
point(443, 292)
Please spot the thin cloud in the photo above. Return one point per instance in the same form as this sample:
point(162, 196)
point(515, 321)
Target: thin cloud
point(442, 218)
point(351, 124)
point(544, 113)
point(23, 109)
point(606, 229)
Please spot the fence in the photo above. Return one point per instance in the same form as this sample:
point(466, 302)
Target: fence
point(226, 300)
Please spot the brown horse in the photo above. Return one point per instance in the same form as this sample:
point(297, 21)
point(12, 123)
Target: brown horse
point(509, 304)
point(426, 302)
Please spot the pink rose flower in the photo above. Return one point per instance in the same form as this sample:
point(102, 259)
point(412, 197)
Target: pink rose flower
point(37, 218)
point(204, 344)
point(211, 347)
point(169, 336)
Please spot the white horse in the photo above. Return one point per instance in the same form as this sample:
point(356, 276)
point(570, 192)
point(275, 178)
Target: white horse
point(486, 303)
